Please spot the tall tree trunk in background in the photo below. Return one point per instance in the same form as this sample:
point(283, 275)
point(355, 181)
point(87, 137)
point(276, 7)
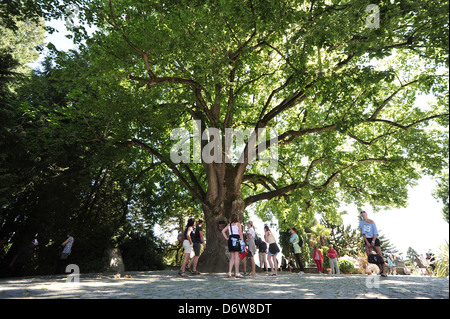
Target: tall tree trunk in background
point(224, 197)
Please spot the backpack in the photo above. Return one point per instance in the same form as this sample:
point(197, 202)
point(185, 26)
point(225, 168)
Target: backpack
point(257, 241)
point(180, 237)
point(375, 259)
point(263, 247)
point(300, 242)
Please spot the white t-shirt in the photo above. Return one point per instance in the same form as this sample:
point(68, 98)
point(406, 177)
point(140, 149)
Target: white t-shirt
point(251, 231)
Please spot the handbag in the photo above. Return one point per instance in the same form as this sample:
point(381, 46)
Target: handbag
point(375, 259)
point(243, 254)
point(234, 241)
point(273, 248)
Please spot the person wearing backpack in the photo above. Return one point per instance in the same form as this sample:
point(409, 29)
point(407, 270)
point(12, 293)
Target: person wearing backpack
point(297, 242)
point(262, 247)
point(187, 245)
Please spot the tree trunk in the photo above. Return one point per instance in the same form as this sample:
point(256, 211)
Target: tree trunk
point(225, 198)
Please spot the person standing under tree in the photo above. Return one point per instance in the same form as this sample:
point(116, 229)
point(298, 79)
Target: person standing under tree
point(22, 258)
point(431, 259)
point(251, 247)
point(234, 235)
point(332, 256)
point(318, 258)
point(198, 240)
point(370, 234)
point(187, 245)
point(67, 244)
point(273, 250)
point(295, 241)
point(262, 248)
point(66, 250)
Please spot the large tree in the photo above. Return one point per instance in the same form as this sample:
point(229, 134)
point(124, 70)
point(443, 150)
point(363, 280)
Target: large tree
point(336, 80)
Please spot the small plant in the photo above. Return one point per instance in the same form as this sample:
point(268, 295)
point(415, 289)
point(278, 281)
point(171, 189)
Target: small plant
point(441, 269)
point(346, 266)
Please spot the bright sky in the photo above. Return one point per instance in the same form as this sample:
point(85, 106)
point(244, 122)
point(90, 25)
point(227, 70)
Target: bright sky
point(420, 225)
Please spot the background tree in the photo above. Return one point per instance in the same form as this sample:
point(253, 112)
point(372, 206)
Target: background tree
point(22, 43)
point(411, 255)
point(57, 181)
point(345, 240)
point(441, 193)
point(387, 248)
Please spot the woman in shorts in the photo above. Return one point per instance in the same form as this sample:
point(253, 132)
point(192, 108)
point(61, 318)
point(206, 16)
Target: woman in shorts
point(234, 247)
point(187, 245)
point(272, 252)
point(370, 234)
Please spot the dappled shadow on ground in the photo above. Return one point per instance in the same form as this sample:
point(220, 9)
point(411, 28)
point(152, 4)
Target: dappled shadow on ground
point(169, 285)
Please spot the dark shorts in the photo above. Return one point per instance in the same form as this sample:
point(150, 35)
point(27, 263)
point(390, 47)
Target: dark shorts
point(273, 249)
point(235, 248)
point(197, 247)
point(377, 241)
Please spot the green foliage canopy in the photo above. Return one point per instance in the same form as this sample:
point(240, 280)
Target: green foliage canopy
point(340, 94)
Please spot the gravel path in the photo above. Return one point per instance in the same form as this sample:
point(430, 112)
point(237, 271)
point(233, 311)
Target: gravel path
point(168, 284)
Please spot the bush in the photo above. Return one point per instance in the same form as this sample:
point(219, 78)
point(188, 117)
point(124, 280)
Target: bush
point(346, 266)
point(442, 261)
point(326, 261)
point(141, 252)
point(362, 262)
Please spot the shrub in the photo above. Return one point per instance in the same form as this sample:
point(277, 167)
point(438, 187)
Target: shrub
point(326, 261)
point(141, 252)
point(346, 266)
point(442, 261)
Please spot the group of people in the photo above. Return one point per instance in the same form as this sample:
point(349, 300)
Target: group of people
point(237, 245)
point(318, 259)
point(192, 240)
point(240, 245)
point(332, 258)
point(16, 265)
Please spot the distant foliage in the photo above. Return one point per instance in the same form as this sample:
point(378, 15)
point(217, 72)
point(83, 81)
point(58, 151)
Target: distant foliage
point(442, 261)
point(346, 266)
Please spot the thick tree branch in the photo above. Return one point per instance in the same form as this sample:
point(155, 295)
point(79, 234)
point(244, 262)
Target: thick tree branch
point(389, 98)
point(197, 87)
point(409, 126)
point(289, 188)
point(289, 136)
point(260, 179)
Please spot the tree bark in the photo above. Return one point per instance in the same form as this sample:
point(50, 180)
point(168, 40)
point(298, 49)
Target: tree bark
point(224, 198)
